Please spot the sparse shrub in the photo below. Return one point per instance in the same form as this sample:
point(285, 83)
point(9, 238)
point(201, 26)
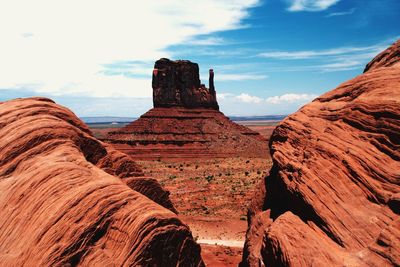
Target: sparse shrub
point(258, 172)
point(205, 209)
point(172, 177)
point(246, 173)
point(209, 178)
point(247, 161)
point(197, 166)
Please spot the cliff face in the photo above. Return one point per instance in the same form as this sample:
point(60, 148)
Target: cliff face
point(177, 84)
point(332, 196)
point(185, 121)
point(68, 199)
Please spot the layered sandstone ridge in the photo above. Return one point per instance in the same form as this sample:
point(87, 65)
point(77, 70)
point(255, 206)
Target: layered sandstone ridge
point(332, 196)
point(185, 122)
point(179, 133)
point(67, 199)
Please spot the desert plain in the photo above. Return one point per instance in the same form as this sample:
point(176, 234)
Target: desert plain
point(210, 195)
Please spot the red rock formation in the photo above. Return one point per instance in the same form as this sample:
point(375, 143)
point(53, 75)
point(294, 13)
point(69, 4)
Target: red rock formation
point(332, 195)
point(176, 133)
point(63, 199)
point(185, 121)
point(177, 84)
point(385, 59)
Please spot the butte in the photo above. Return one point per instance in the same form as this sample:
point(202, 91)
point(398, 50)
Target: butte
point(185, 122)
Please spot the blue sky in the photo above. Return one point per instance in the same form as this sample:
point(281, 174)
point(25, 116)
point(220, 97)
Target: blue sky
point(269, 56)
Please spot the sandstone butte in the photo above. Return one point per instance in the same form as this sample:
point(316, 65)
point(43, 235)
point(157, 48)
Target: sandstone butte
point(185, 122)
point(68, 199)
point(332, 197)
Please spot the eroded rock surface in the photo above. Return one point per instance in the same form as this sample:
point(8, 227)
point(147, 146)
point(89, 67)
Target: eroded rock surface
point(180, 133)
point(332, 195)
point(177, 84)
point(185, 122)
point(69, 199)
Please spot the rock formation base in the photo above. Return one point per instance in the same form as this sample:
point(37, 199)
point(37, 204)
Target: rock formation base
point(181, 133)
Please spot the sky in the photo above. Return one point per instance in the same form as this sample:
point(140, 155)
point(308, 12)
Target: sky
point(269, 56)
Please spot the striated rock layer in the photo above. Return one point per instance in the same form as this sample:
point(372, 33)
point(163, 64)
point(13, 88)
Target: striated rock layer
point(185, 122)
point(177, 84)
point(179, 133)
point(332, 196)
point(68, 199)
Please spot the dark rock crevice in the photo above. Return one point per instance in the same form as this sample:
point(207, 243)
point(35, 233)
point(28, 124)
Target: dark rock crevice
point(332, 195)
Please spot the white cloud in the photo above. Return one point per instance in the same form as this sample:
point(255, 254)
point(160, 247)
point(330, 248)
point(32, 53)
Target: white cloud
point(305, 54)
point(290, 98)
point(328, 60)
point(206, 41)
point(222, 96)
point(344, 13)
point(249, 98)
point(240, 77)
point(61, 47)
point(254, 105)
point(340, 66)
point(310, 5)
point(276, 100)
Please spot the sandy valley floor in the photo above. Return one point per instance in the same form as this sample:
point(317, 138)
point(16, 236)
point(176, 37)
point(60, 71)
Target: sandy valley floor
point(211, 196)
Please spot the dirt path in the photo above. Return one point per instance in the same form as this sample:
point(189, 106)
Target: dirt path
point(219, 242)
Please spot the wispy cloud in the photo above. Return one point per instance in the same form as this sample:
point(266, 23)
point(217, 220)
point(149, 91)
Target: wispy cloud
point(290, 98)
point(305, 54)
point(249, 98)
point(328, 60)
point(222, 96)
point(344, 13)
point(310, 5)
point(207, 41)
point(240, 77)
point(340, 66)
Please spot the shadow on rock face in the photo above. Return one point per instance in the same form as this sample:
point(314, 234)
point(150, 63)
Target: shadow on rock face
point(332, 195)
point(65, 198)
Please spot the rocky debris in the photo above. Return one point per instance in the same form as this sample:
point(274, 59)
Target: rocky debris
point(68, 199)
point(331, 197)
point(185, 122)
point(177, 84)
